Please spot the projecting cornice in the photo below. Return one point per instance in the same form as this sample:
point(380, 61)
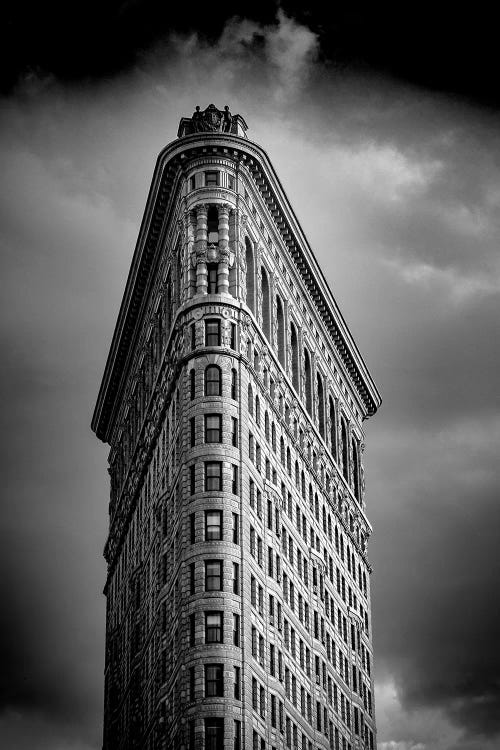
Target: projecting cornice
point(160, 207)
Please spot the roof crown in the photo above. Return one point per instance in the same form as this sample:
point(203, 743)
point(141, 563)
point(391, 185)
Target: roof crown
point(212, 120)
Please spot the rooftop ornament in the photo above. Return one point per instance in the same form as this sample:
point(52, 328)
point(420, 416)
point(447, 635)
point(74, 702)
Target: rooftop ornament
point(212, 120)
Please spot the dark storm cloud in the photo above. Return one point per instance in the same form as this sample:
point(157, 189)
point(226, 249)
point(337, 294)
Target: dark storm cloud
point(436, 615)
point(428, 46)
point(398, 192)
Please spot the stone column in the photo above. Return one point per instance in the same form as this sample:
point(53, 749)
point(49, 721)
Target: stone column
point(190, 280)
point(234, 254)
point(201, 249)
point(223, 268)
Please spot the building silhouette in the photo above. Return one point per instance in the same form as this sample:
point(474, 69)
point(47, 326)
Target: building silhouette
point(233, 400)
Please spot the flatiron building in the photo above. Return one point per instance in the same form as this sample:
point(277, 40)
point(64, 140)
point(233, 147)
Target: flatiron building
point(233, 401)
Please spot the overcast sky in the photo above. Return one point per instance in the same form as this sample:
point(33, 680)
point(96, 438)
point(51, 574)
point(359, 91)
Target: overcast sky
point(396, 183)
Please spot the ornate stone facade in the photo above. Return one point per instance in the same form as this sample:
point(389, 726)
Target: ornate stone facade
point(238, 588)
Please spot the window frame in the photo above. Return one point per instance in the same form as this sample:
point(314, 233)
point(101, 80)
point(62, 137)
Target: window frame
point(211, 577)
point(213, 434)
point(211, 479)
point(209, 335)
point(208, 176)
point(219, 629)
point(214, 684)
point(213, 386)
point(219, 526)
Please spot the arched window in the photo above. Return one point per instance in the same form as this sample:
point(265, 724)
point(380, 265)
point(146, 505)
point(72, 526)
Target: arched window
point(280, 319)
point(321, 406)
point(333, 428)
point(250, 275)
point(282, 451)
point(273, 437)
point(303, 485)
point(295, 358)
point(257, 410)
point(289, 462)
point(266, 425)
point(297, 474)
point(266, 304)
point(356, 469)
point(212, 381)
point(192, 383)
point(345, 449)
point(256, 361)
point(250, 399)
point(308, 381)
point(311, 496)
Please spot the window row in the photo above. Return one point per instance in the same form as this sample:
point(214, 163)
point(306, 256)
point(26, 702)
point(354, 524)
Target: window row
point(212, 382)
point(214, 728)
point(214, 527)
point(213, 682)
point(213, 430)
point(213, 334)
point(214, 628)
point(214, 577)
point(294, 643)
point(211, 178)
point(213, 478)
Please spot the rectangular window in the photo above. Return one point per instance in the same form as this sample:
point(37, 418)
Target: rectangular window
point(212, 332)
point(237, 735)
point(213, 476)
point(213, 428)
point(192, 579)
point(214, 681)
point(192, 384)
point(234, 480)
point(234, 385)
point(237, 684)
point(192, 629)
point(192, 528)
point(213, 525)
point(212, 278)
point(213, 627)
point(236, 578)
point(214, 734)
point(233, 336)
point(213, 575)
point(236, 528)
point(192, 479)
point(191, 684)
point(211, 179)
point(234, 432)
point(193, 336)
point(236, 630)
point(192, 431)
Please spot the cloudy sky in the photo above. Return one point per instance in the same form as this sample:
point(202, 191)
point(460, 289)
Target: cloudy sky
point(386, 139)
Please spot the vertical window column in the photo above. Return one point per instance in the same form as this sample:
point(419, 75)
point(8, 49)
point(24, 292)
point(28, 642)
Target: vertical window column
point(201, 249)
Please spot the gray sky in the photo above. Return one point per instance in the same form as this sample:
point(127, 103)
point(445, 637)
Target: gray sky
point(398, 191)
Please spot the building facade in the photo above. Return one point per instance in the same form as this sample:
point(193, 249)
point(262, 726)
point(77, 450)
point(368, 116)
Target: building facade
point(233, 401)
